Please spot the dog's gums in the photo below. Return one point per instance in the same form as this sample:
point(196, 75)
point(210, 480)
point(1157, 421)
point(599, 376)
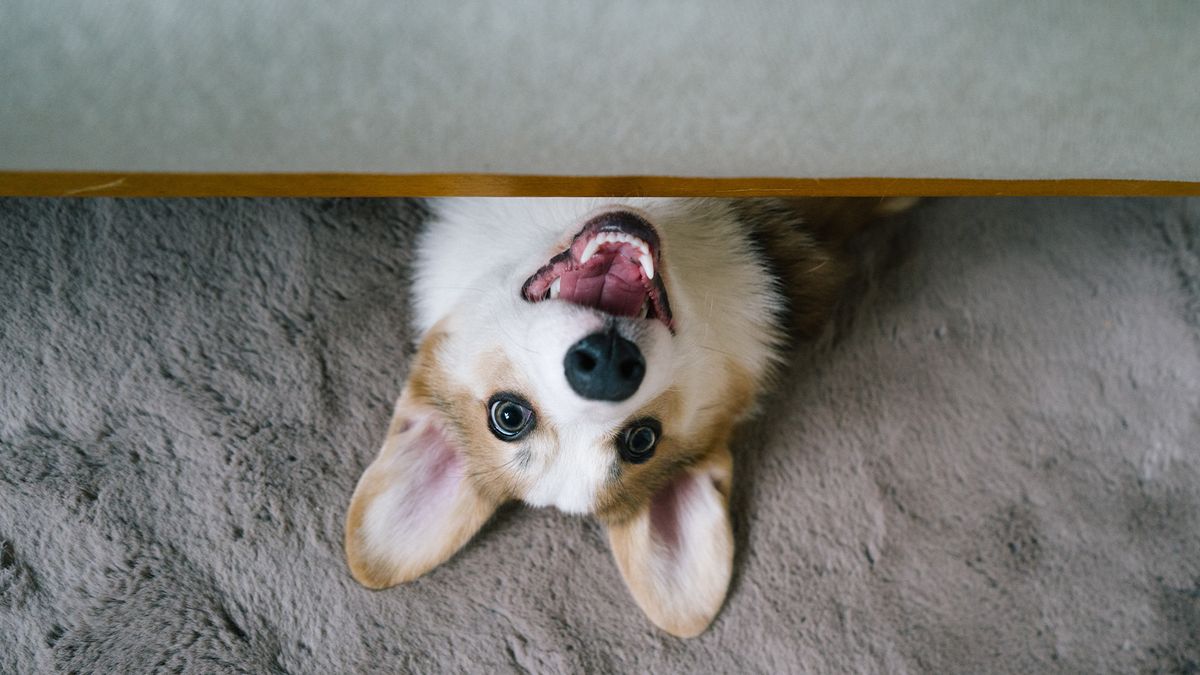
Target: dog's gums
point(613, 264)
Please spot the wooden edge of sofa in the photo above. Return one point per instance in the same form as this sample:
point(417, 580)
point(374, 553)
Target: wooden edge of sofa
point(162, 184)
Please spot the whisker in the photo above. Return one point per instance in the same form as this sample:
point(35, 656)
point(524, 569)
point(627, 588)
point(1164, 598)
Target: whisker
point(521, 456)
point(459, 288)
point(719, 351)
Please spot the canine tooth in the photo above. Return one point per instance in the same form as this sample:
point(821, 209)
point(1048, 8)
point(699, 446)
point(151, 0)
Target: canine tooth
point(645, 310)
point(647, 265)
point(554, 287)
point(589, 250)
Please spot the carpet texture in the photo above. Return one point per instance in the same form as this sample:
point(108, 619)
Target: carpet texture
point(991, 464)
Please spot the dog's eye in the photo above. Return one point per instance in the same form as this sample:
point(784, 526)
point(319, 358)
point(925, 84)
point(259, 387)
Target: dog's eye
point(509, 416)
point(636, 444)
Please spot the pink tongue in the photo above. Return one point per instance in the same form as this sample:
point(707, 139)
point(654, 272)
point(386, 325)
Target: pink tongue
point(610, 282)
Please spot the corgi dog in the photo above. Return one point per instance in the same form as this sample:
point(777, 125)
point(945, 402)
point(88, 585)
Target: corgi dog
point(596, 355)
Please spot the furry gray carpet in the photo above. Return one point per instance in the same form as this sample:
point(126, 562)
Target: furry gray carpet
point(992, 464)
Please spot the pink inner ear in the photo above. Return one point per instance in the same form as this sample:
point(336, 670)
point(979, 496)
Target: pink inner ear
point(668, 509)
point(435, 472)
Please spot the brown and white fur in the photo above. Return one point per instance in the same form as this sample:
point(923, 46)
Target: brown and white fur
point(742, 277)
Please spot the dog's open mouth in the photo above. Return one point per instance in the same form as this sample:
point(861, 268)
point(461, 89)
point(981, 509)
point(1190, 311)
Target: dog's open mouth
point(613, 265)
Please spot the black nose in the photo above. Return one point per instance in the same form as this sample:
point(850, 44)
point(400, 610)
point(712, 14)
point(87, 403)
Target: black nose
point(604, 367)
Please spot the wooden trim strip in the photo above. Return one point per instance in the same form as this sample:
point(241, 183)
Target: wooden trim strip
point(120, 184)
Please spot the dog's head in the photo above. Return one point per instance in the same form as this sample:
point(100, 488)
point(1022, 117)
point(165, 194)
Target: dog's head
point(592, 357)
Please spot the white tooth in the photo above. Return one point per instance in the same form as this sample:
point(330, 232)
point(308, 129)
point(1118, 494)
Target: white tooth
point(554, 287)
point(645, 248)
point(647, 265)
point(645, 310)
point(589, 250)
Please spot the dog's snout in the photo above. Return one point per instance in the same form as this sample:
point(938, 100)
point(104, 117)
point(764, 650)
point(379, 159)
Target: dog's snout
point(604, 367)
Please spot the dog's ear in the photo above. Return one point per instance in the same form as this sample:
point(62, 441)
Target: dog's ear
point(676, 555)
point(414, 505)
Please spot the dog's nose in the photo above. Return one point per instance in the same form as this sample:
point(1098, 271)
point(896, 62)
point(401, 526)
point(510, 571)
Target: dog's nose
point(604, 367)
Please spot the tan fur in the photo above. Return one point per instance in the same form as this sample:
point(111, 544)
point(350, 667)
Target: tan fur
point(681, 447)
point(485, 454)
point(367, 565)
point(683, 605)
point(705, 452)
point(806, 242)
point(376, 571)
